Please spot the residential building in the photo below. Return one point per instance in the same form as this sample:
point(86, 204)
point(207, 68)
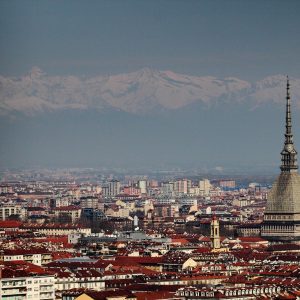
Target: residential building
point(8, 210)
point(33, 284)
point(68, 213)
point(204, 186)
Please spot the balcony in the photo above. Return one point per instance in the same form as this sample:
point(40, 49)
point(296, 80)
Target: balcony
point(14, 291)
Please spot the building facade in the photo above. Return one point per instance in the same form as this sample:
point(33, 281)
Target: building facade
point(8, 210)
point(27, 287)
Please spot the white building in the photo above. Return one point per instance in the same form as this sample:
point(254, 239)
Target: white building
point(73, 282)
point(205, 186)
point(167, 188)
point(8, 210)
point(165, 201)
point(142, 184)
point(182, 186)
point(34, 258)
point(188, 201)
point(196, 191)
point(56, 229)
point(112, 189)
point(89, 202)
point(31, 287)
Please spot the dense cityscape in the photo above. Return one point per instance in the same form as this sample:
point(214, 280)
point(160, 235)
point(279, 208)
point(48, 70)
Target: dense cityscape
point(141, 238)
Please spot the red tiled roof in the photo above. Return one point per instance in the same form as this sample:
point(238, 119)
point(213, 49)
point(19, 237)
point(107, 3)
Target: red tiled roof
point(60, 255)
point(104, 294)
point(142, 260)
point(181, 241)
point(67, 208)
point(25, 251)
point(10, 224)
point(252, 240)
point(20, 269)
point(284, 247)
point(154, 295)
point(50, 226)
point(202, 250)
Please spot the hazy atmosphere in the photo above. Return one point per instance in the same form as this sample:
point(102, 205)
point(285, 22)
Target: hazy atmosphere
point(154, 84)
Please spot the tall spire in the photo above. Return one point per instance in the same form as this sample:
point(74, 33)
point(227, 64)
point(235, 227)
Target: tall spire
point(288, 117)
point(289, 153)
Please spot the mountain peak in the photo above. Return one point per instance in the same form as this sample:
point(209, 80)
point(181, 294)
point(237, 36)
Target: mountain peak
point(35, 72)
point(147, 71)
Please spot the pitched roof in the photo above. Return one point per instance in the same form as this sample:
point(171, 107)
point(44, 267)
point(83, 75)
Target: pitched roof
point(103, 295)
point(10, 224)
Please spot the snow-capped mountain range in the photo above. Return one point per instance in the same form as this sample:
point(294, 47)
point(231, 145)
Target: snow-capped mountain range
point(141, 92)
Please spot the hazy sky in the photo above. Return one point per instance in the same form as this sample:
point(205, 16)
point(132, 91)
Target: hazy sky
point(247, 39)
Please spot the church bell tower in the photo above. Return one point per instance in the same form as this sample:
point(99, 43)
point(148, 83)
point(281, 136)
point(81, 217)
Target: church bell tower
point(215, 233)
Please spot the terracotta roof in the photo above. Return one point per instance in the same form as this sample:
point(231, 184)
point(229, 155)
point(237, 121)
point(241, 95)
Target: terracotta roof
point(67, 208)
point(252, 240)
point(154, 295)
point(21, 269)
point(10, 224)
point(25, 251)
point(283, 247)
point(103, 295)
point(52, 239)
point(202, 250)
point(50, 226)
point(142, 260)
